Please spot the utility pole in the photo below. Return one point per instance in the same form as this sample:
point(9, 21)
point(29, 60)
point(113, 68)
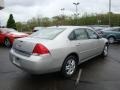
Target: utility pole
point(76, 14)
point(110, 13)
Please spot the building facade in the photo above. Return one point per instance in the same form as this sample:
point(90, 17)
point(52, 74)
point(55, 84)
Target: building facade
point(1, 4)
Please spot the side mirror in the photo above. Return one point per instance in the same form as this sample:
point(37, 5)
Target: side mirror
point(99, 37)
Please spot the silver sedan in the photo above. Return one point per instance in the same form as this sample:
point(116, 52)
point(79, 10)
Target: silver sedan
point(60, 48)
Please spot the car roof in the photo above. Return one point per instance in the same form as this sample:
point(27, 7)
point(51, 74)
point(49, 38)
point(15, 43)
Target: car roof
point(38, 27)
point(70, 27)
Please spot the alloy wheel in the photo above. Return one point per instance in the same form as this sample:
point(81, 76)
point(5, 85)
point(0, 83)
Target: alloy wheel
point(70, 67)
point(111, 40)
point(105, 51)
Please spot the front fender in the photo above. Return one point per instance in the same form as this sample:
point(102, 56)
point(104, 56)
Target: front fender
point(105, 41)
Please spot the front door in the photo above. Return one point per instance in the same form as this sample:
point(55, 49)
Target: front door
point(81, 41)
point(94, 42)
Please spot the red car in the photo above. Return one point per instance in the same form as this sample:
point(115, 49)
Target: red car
point(7, 36)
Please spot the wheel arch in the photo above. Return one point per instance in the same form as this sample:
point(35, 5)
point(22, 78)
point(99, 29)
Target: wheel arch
point(111, 36)
point(74, 54)
point(107, 43)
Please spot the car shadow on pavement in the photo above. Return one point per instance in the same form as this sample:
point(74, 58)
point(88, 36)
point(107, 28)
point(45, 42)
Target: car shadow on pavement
point(93, 60)
point(52, 81)
point(2, 46)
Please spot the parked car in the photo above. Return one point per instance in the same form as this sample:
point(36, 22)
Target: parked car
point(7, 36)
point(35, 29)
point(112, 34)
point(57, 49)
point(99, 28)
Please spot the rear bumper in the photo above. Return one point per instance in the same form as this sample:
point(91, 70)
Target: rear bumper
point(34, 64)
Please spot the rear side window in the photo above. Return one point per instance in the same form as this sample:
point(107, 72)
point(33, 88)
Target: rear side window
point(78, 34)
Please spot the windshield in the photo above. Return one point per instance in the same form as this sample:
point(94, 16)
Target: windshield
point(48, 33)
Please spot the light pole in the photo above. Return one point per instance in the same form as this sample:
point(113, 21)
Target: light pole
point(62, 10)
point(62, 16)
point(99, 21)
point(109, 12)
point(76, 4)
point(76, 15)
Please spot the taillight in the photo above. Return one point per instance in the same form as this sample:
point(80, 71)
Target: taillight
point(40, 49)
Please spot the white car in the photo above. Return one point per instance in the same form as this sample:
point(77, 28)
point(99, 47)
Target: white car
point(57, 49)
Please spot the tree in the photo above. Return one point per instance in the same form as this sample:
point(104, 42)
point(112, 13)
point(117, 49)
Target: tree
point(11, 22)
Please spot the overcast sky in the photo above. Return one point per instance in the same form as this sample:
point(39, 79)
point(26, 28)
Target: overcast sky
point(24, 10)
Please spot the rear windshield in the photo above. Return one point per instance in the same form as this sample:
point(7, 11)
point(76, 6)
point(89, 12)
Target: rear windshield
point(48, 33)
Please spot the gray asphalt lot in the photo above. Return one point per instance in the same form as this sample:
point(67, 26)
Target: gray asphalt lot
point(97, 74)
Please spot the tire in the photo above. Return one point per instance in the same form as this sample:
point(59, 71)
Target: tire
point(111, 40)
point(7, 42)
point(105, 51)
point(69, 66)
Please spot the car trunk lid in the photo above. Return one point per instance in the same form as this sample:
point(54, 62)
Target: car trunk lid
point(28, 44)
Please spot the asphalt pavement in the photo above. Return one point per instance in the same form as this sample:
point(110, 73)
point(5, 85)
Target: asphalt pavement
point(96, 74)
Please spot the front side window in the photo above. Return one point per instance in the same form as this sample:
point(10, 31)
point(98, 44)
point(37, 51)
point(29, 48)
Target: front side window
point(78, 34)
point(92, 34)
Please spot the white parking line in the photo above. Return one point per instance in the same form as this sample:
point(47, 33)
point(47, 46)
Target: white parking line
point(78, 77)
